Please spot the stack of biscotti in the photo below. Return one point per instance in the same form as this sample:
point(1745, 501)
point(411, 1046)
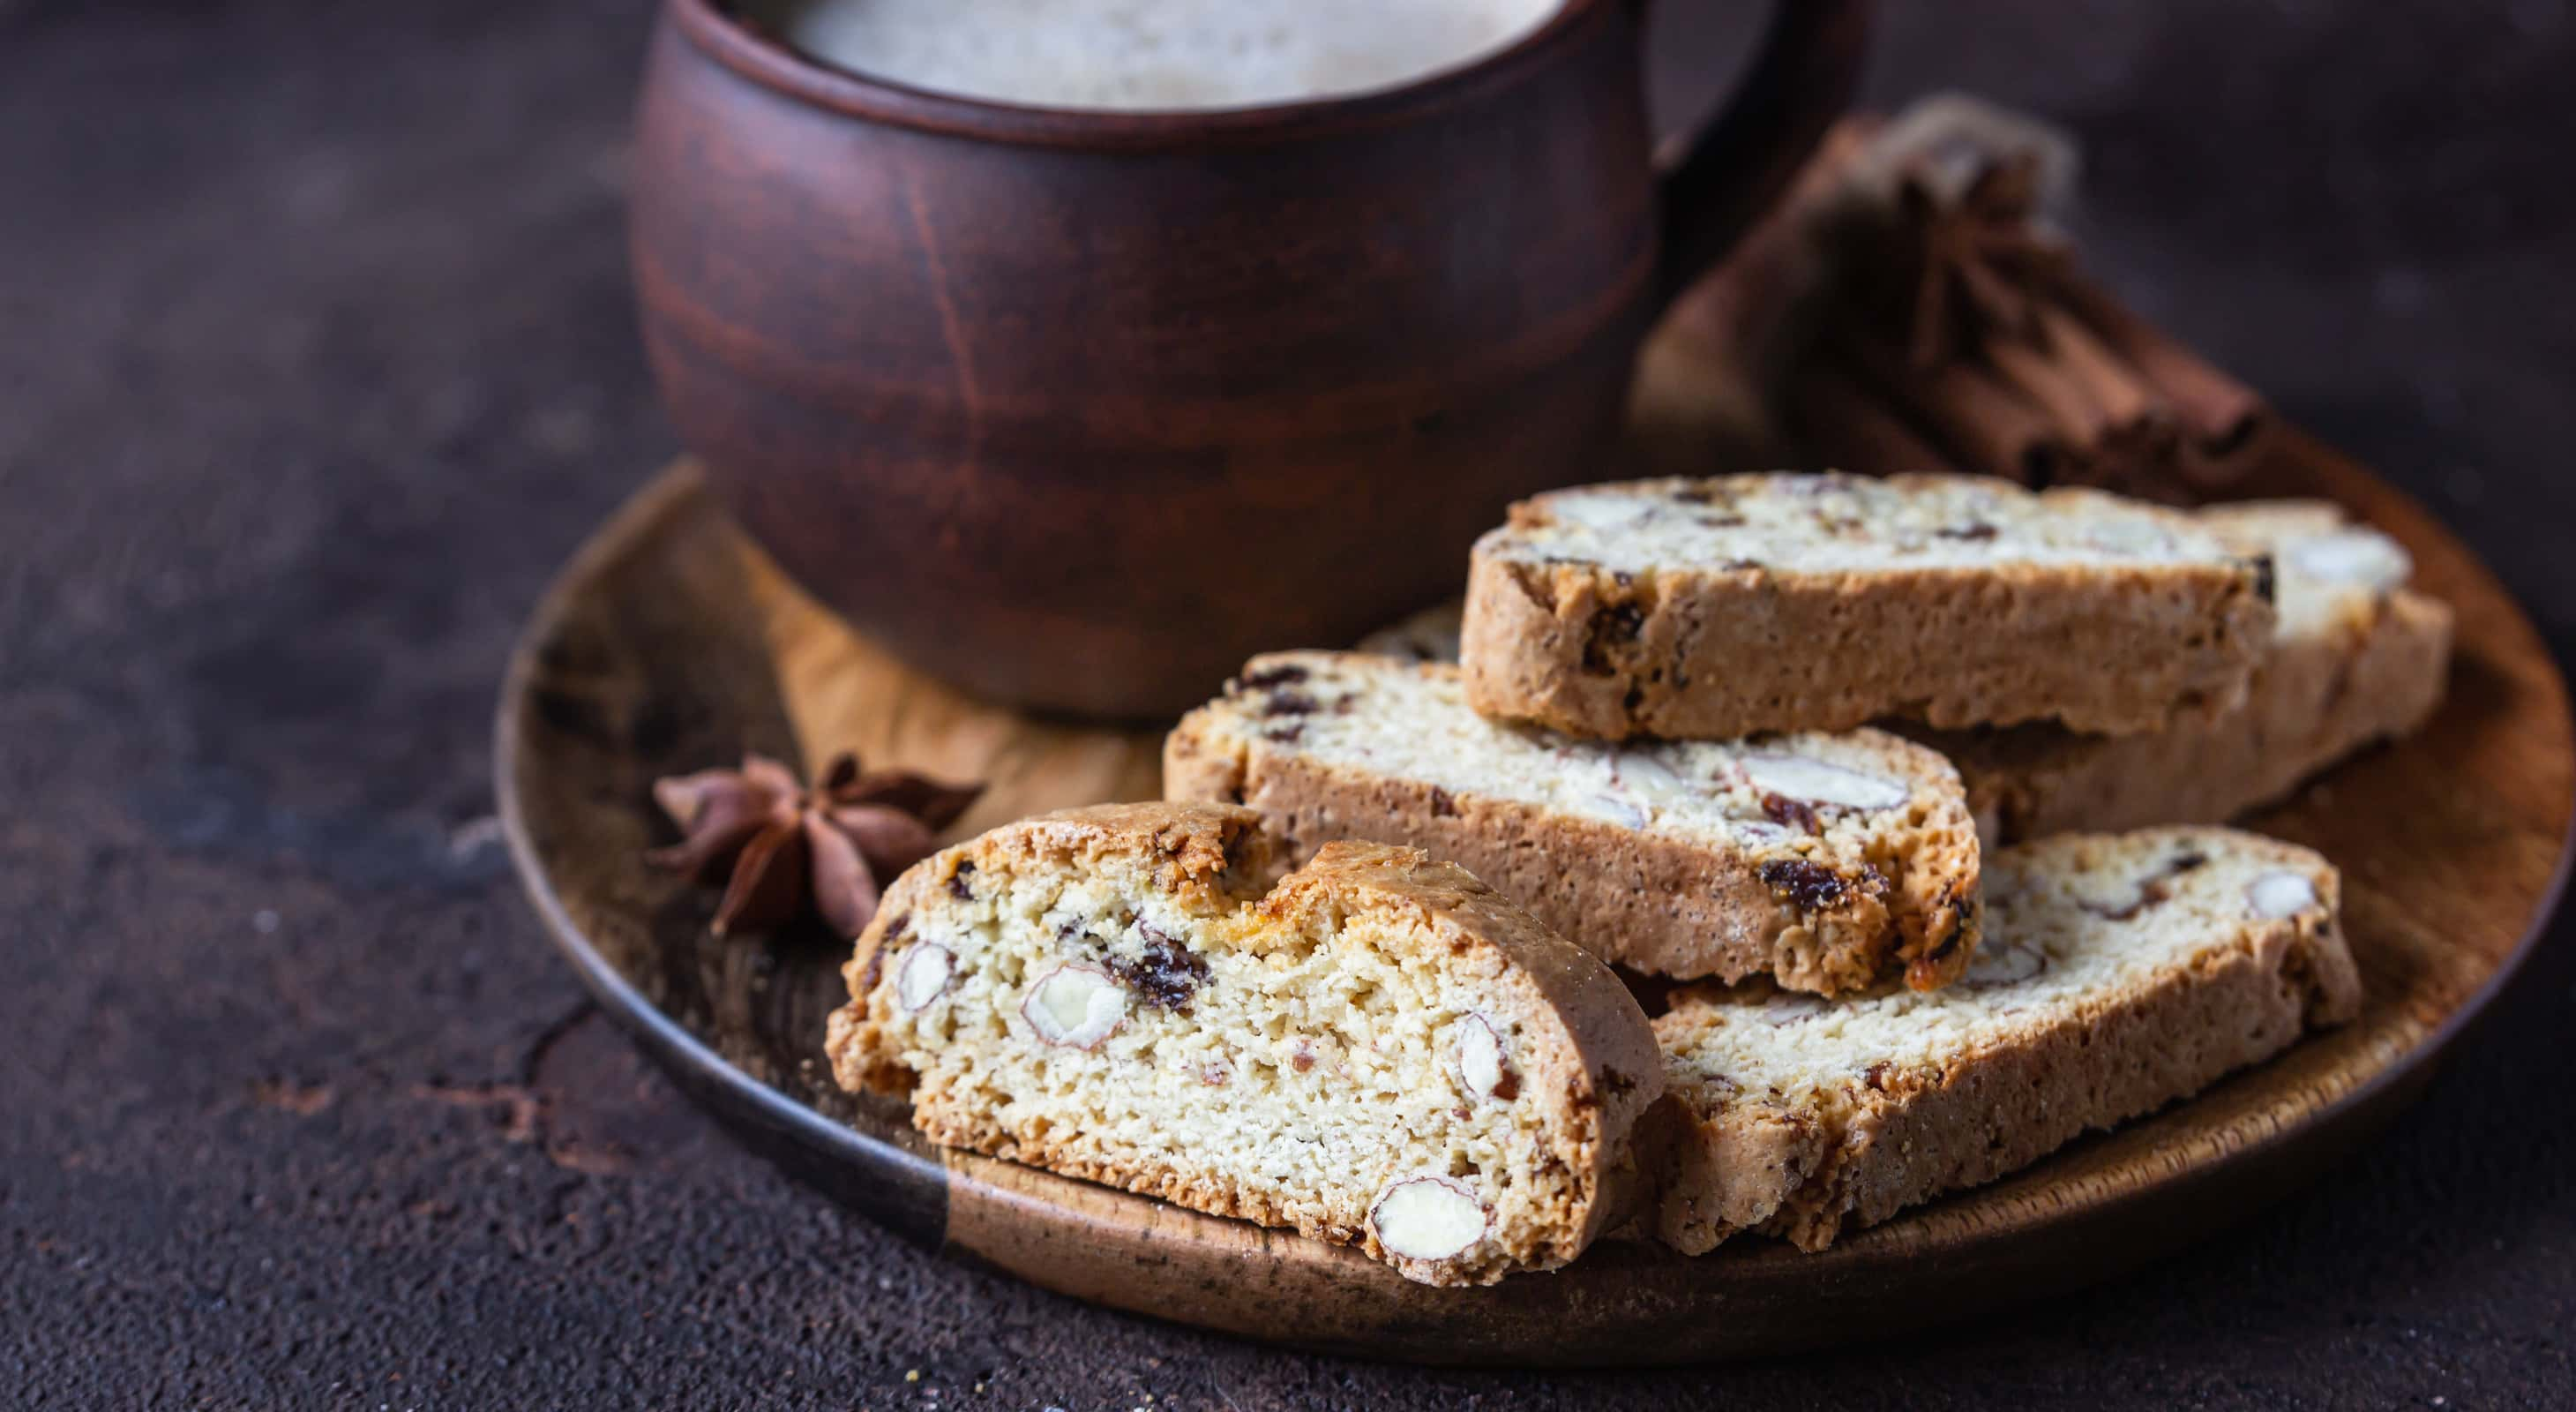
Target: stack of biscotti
point(1376, 1049)
point(2356, 657)
point(1659, 742)
point(1659, 751)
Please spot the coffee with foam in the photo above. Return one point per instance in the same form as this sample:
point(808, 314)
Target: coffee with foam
point(1150, 54)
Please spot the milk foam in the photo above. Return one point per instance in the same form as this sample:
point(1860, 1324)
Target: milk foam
point(1148, 54)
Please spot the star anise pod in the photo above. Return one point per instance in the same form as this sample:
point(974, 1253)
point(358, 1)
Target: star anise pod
point(1980, 261)
point(782, 848)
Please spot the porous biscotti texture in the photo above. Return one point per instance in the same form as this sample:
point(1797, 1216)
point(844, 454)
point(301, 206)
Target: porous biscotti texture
point(2355, 658)
point(2119, 972)
point(1379, 1050)
point(1822, 860)
point(1708, 609)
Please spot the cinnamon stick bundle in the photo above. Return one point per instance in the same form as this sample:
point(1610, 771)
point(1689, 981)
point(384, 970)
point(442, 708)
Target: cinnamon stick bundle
point(2225, 420)
point(1950, 331)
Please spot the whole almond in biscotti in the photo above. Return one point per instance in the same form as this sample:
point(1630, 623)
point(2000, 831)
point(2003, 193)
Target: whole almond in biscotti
point(1378, 1050)
point(2356, 657)
point(1710, 609)
point(2119, 972)
point(1825, 861)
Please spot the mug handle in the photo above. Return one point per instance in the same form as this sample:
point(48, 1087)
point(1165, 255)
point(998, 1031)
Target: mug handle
point(1741, 161)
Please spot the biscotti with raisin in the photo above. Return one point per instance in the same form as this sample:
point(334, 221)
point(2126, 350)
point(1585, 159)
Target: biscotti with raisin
point(1821, 860)
point(1710, 609)
point(2119, 972)
point(1378, 1050)
point(2356, 657)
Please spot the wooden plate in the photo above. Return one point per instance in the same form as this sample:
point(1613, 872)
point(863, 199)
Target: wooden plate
point(669, 644)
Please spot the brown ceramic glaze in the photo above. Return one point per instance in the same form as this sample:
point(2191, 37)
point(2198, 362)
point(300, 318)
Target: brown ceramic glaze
point(670, 645)
point(1078, 410)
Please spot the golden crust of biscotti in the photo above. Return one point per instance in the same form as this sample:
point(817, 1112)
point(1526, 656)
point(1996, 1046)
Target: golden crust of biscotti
point(1247, 1017)
point(1891, 1101)
point(1953, 600)
point(1821, 898)
point(2357, 658)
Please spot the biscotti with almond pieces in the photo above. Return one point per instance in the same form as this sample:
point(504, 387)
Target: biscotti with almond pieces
point(1821, 860)
point(1710, 609)
point(1378, 1050)
point(2356, 657)
point(2119, 972)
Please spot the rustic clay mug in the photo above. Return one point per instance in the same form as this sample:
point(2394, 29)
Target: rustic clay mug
point(1078, 409)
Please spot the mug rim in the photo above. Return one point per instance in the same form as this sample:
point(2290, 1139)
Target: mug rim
point(719, 34)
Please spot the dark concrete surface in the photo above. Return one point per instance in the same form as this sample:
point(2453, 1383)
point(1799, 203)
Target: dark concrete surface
point(315, 360)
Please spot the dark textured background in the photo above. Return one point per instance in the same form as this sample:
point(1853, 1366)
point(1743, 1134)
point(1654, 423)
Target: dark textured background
point(315, 360)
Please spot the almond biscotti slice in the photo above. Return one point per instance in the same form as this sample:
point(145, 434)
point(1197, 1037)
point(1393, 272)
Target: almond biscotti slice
point(2119, 972)
point(1821, 860)
point(2356, 658)
point(1707, 609)
point(1379, 1051)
